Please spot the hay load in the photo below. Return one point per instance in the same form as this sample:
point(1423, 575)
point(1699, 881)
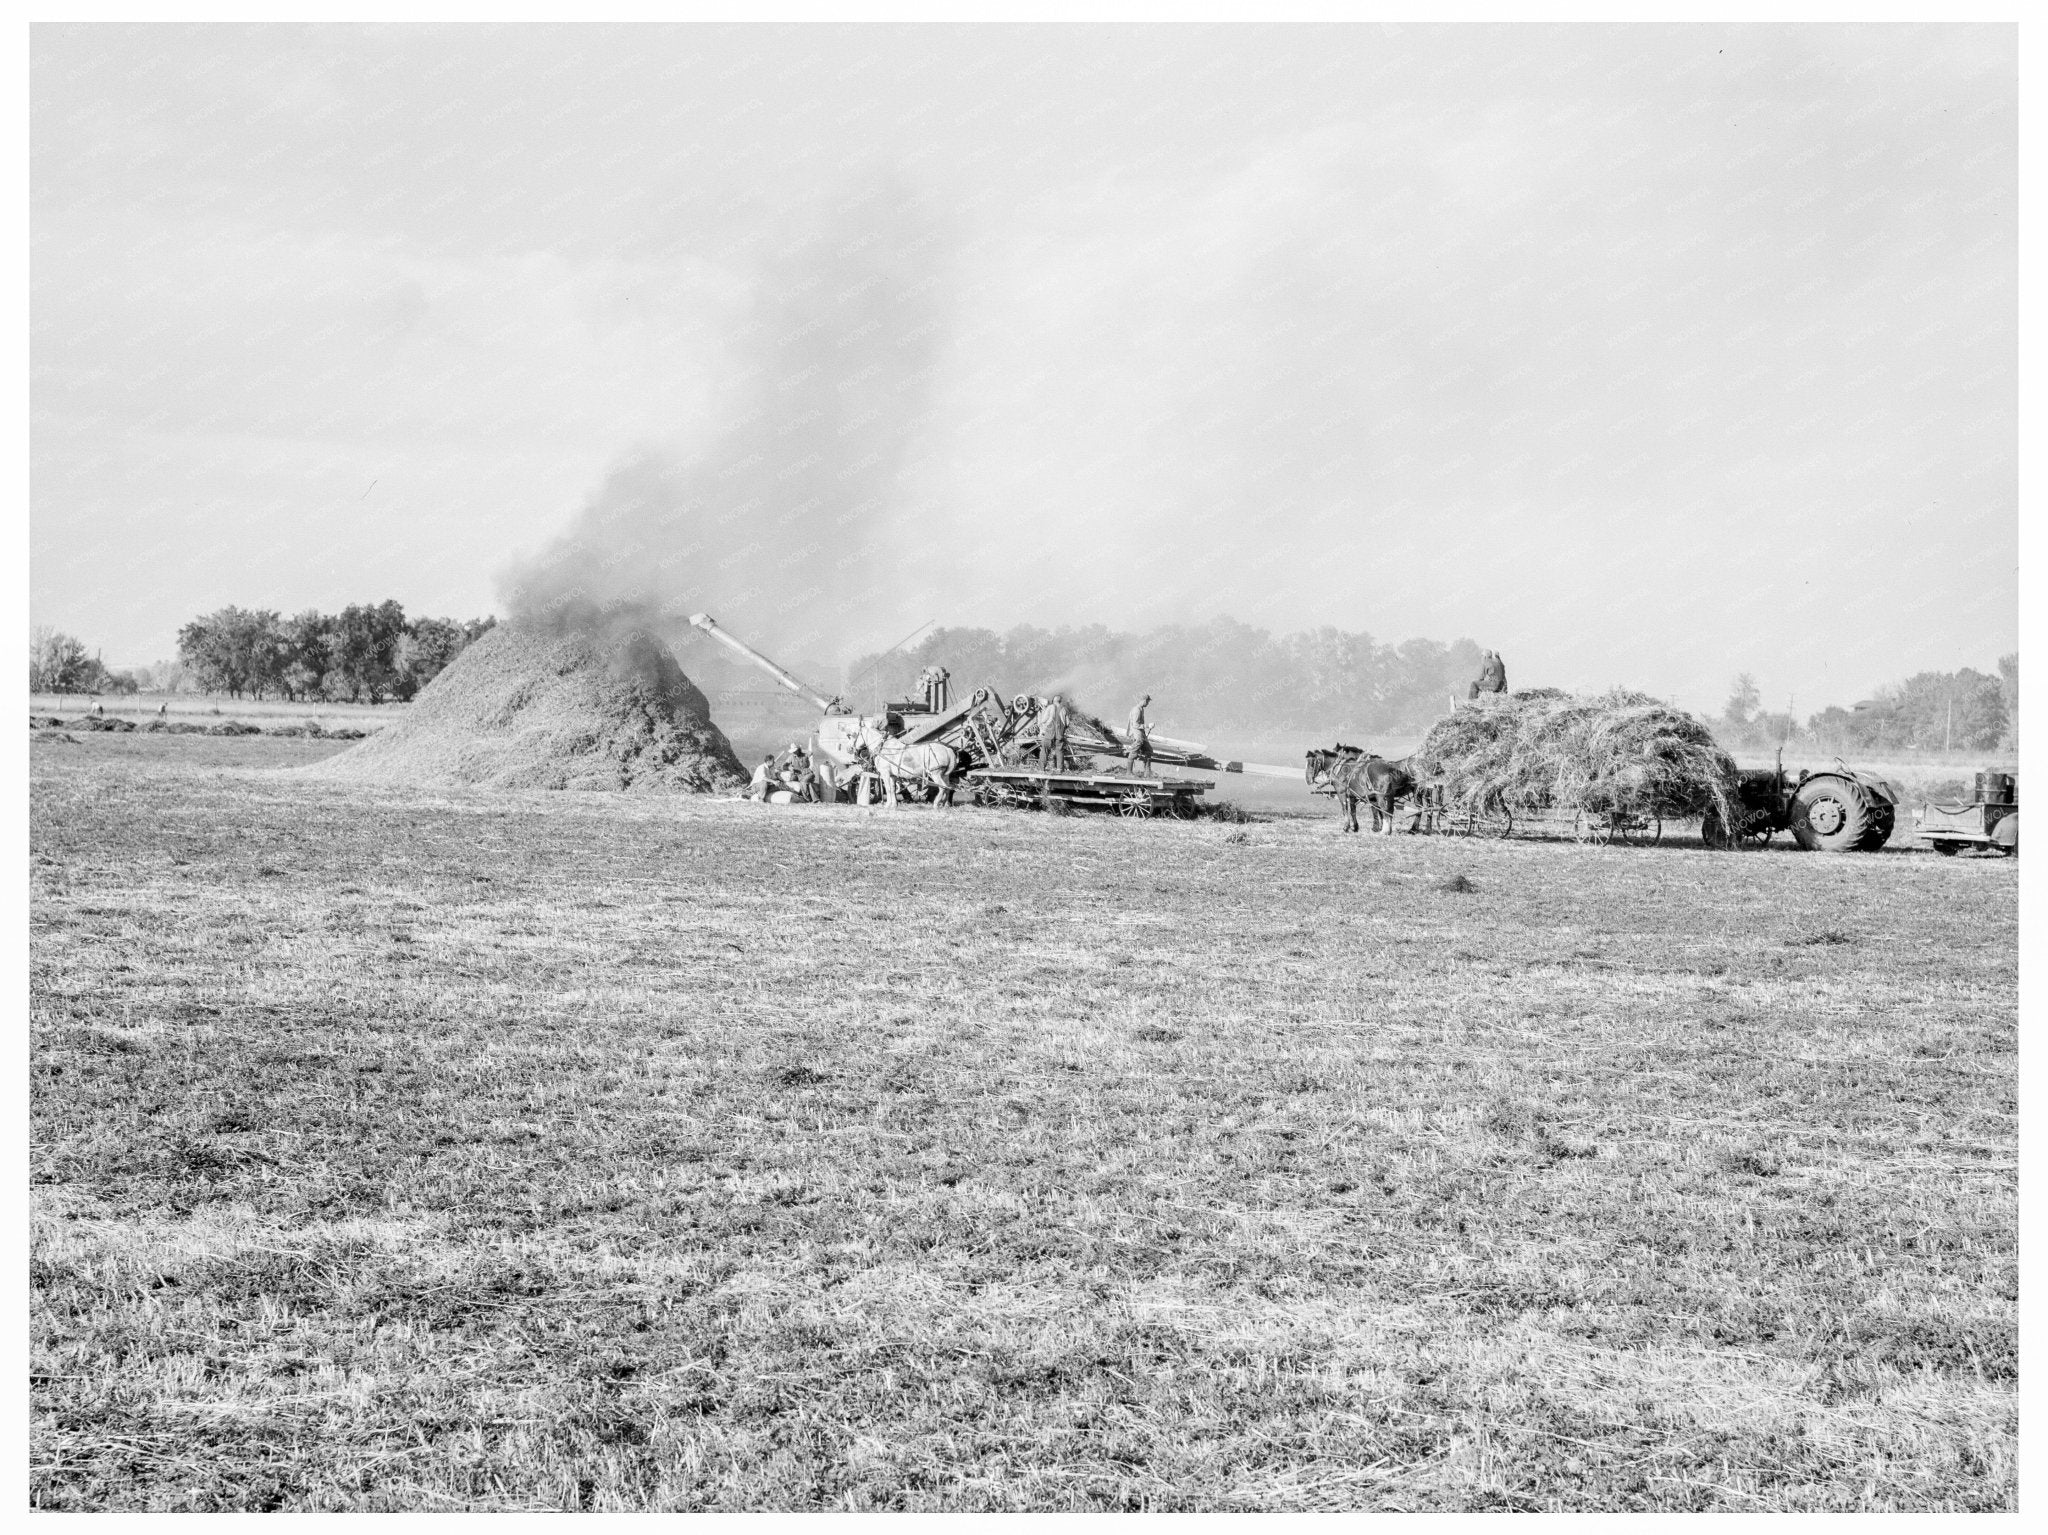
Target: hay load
point(528, 707)
point(1620, 754)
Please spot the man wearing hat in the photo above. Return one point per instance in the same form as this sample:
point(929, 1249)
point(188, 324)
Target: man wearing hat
point(1138, 739)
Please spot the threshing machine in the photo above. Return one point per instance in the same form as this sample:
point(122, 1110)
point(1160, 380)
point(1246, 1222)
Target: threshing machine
point(1003, 747)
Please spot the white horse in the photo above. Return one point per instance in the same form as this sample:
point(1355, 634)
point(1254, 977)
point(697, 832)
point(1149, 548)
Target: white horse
point(895, 761)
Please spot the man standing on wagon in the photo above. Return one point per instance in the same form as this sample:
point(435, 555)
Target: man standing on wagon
point(1052, 735)
point(1138, 740)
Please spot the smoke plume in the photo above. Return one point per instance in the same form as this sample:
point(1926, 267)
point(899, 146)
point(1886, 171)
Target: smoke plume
point(778, 525)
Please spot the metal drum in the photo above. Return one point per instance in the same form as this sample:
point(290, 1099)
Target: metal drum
point(1997, 789)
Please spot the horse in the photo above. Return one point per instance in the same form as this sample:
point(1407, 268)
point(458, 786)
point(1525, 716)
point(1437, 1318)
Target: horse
point(1353, 774)
point(926, 762)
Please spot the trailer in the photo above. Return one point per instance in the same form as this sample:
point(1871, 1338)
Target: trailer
point(1989, 820)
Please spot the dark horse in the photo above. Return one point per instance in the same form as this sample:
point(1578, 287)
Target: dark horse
point(1353, 774)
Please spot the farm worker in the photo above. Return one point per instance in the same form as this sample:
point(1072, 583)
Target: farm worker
point(1493, 676)
point(1017, 744)
point(1138, 739)
point(1052, 735)
point(757, 787)
point(99, 710)
point(796, 773)
point(163, 708)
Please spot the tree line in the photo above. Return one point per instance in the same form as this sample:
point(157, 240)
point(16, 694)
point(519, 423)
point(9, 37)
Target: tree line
point(366, 653)
point(1218, 676)
point(1963, 710)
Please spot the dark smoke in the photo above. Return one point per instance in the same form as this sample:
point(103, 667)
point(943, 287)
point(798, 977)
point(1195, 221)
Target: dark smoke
point(777, 527)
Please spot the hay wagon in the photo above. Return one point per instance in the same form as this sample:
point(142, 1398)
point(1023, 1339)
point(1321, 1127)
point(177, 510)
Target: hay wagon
point(1440, 814)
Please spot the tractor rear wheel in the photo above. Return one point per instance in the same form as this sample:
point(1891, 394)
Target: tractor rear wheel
point(1832, 814)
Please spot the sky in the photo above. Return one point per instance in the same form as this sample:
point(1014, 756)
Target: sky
point(1643, 355)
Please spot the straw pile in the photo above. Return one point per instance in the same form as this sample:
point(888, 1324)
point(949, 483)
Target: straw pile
point(530, 708)
point(1620, 754)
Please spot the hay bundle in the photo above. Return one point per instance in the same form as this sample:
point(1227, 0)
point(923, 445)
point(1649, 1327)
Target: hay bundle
point(1618, 754)
point(530, 708)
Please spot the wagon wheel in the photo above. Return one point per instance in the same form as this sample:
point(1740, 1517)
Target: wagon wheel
point(1496, 822)
point(1138, 805)
point(1627, 829)
point(1595, 829)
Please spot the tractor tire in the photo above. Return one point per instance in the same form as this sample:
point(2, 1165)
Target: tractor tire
point(1832, 814)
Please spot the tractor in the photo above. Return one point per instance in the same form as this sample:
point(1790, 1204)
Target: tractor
point(1837, 810)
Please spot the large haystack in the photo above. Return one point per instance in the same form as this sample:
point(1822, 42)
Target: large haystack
point(530, 708)
point(1619, 754)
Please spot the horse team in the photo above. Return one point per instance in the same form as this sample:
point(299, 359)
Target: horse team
point(1358, 777)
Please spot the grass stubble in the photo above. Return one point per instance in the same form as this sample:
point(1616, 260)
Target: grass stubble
point(440, 1150)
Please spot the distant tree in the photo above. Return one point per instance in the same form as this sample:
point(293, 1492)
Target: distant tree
point(363, 652)
point(60, 663)
point(1331, 679)
point(474, 629)
point(304, 665)
point(163, 677)
point(1766, 729)
point(426, 647)
point(2009, 687)
point(1744, 700)
point(1833, 729)
point(1963, 710)
point(1423, 676)
point(236, 651)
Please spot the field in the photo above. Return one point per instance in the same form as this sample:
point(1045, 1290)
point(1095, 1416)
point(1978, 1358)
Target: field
point(203, 708)
point(420, 1150)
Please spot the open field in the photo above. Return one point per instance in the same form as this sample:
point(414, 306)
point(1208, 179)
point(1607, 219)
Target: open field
point(443, 1150)
point(205, 708)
